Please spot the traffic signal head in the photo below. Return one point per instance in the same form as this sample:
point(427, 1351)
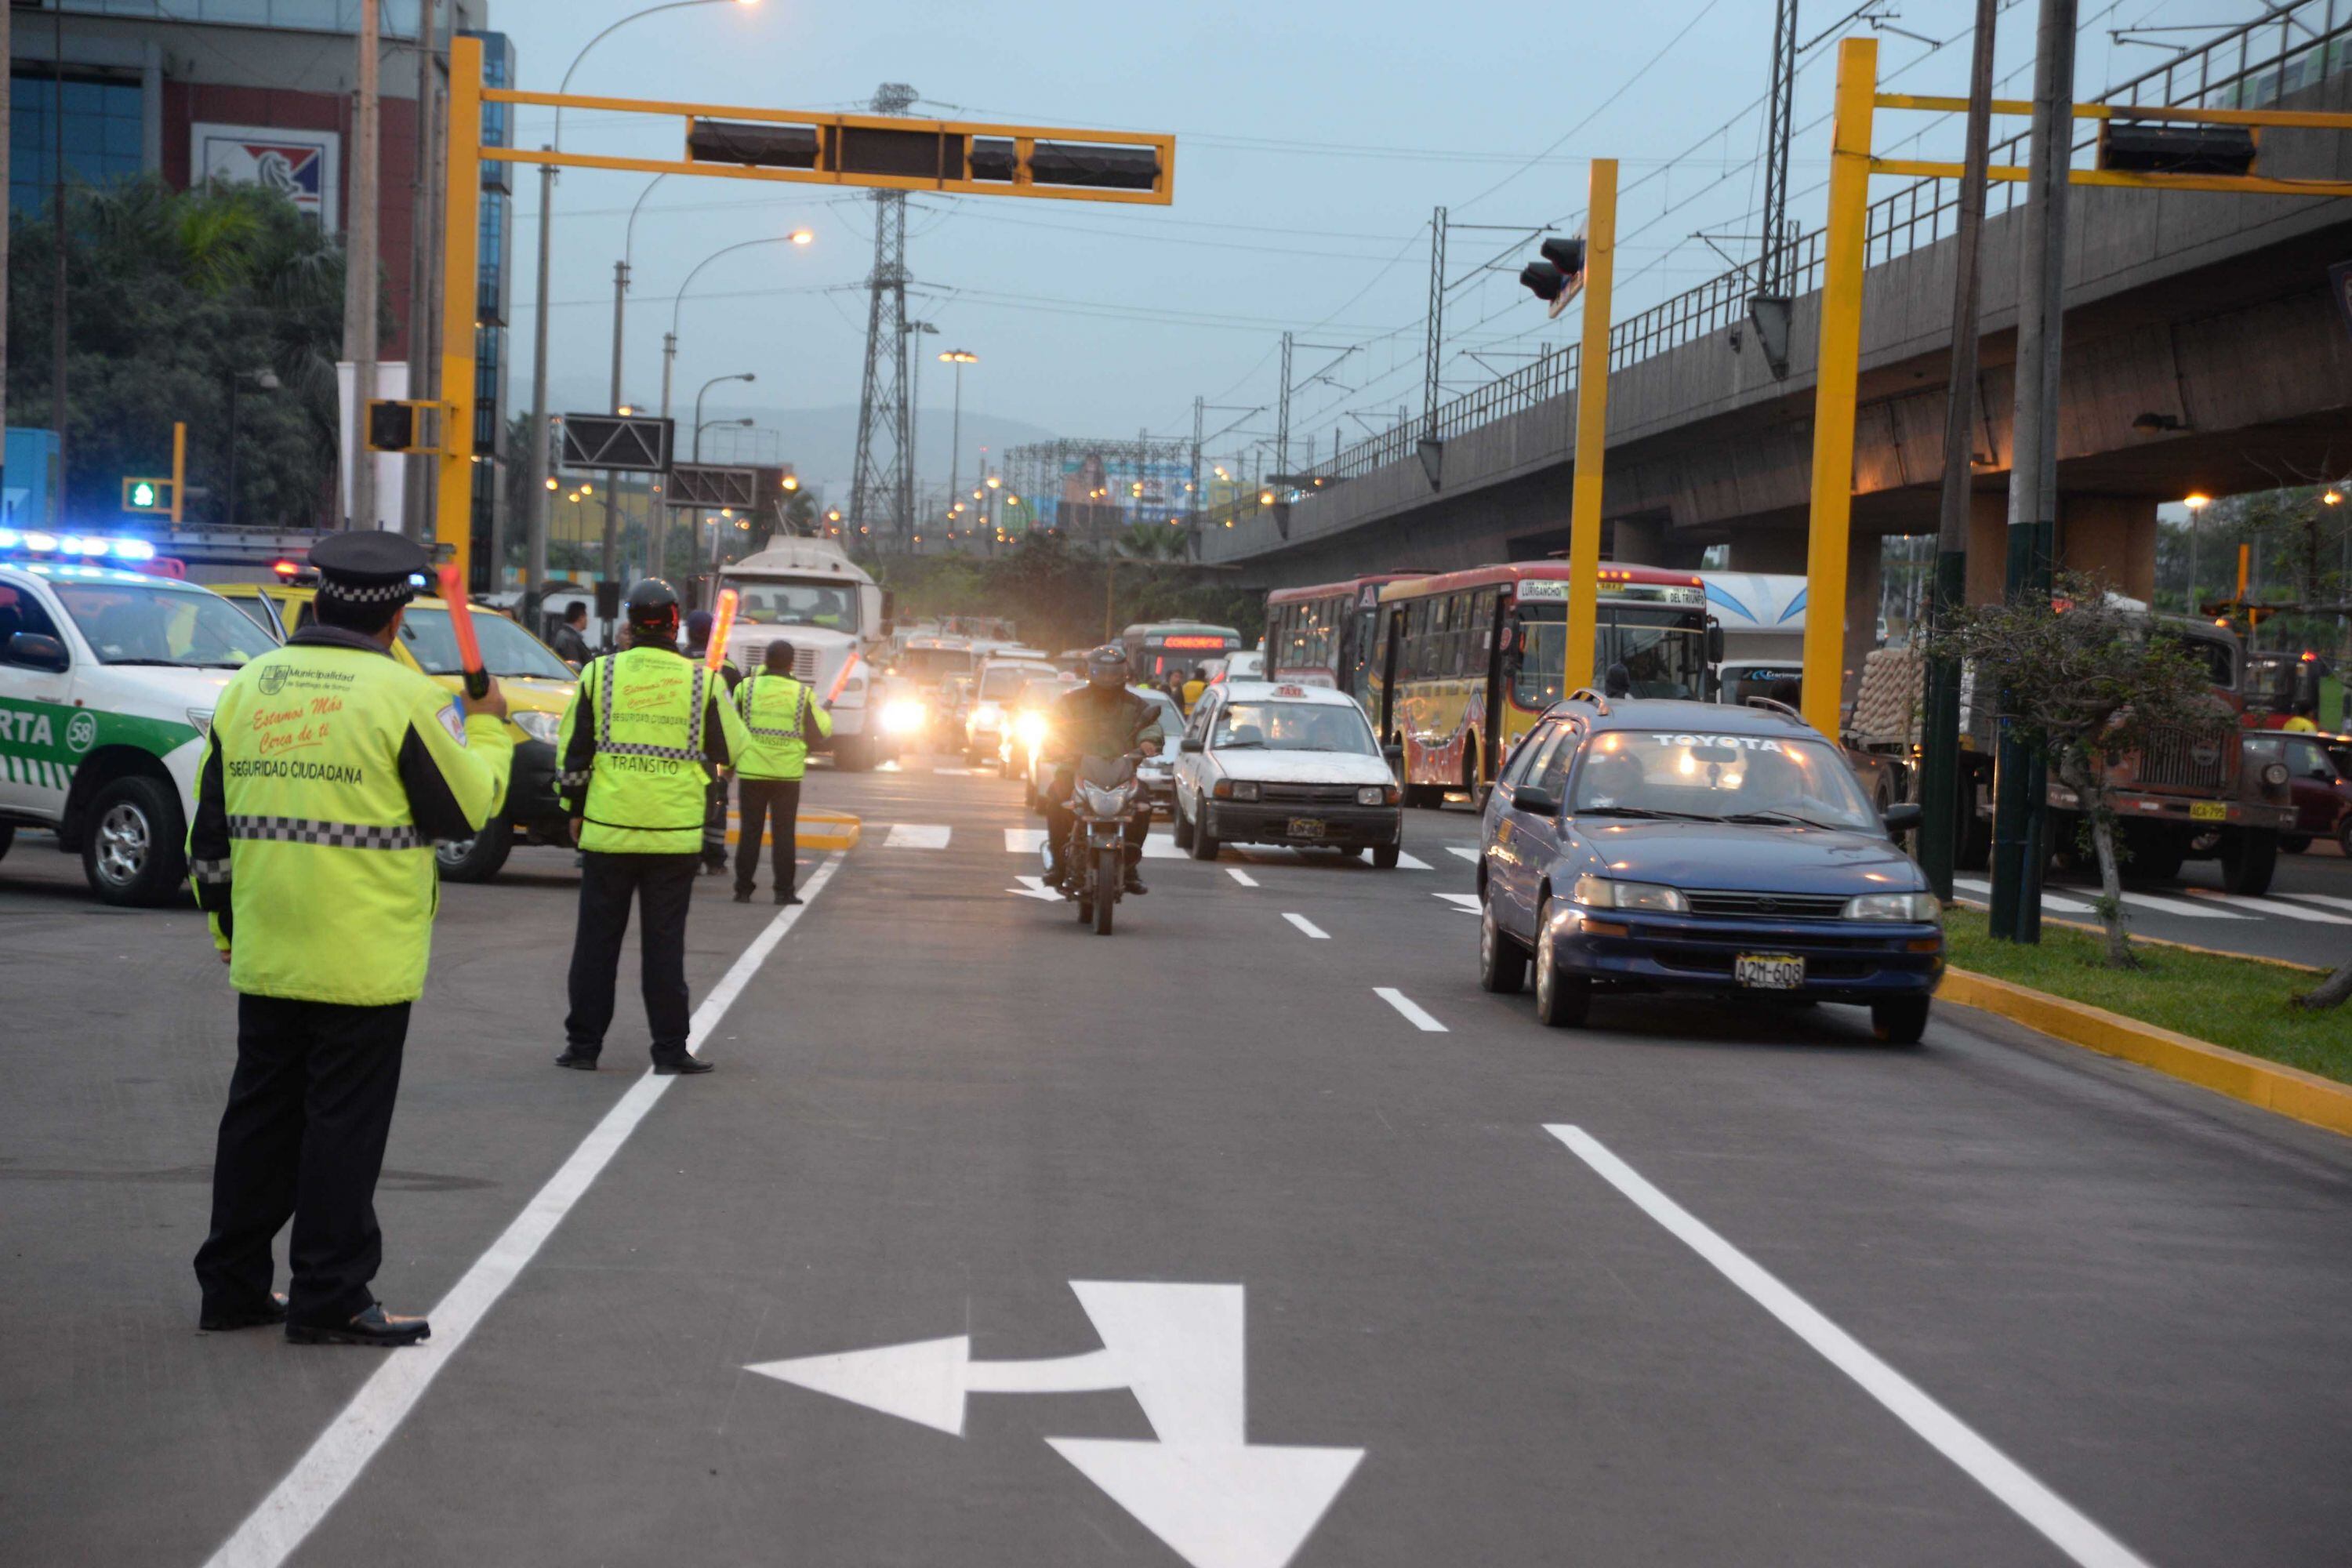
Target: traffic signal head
point(1556, 278)
point(147, 495)
point(391, 426)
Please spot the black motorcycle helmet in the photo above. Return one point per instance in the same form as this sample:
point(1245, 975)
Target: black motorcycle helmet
point(1106, 666)
point(652, 606)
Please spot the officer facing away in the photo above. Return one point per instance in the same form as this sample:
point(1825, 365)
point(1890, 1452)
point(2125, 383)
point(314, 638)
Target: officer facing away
point(780, 712)
point(1100, 719)
point(638, 747)
point(714, 802)
point(327, 771)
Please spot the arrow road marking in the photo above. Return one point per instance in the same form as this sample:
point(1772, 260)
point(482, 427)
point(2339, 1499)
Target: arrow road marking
point(1411, 862)
point(1035, 887)
point(1216, 1498)
point(2066, 1529)
point(1469, 854)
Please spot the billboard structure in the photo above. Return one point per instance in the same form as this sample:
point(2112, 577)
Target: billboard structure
point(1091, 491)
point(301, 165)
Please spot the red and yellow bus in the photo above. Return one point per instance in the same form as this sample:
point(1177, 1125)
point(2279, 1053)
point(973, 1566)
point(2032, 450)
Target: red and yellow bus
point(1467, 661)
point(1327, 635)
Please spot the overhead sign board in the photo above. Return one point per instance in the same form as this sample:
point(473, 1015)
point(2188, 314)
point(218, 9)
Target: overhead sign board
point(300, 165)
point(628, 444)
point(710, 485)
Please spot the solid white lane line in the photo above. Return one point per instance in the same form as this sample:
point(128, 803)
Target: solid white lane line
point(2050, 901)
point(2270, 907)
point(917, 836)
point(2181, 907)
point(1469, 854)
point(273, 1531)
point(2332, 901)
point(1411, 862)
point(1412, 1010)
point(1309, 927)
point(1243, 878)
point(1025, 840)
point(2045, 1511)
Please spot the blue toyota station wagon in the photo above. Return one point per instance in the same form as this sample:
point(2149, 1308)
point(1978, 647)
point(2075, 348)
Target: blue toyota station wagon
point(1634, 845)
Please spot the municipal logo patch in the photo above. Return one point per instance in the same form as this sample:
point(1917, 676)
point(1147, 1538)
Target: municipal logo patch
point(453, 719)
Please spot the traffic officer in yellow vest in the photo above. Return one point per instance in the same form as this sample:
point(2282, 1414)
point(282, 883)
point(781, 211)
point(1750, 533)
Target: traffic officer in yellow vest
point(781, 714)
point(645, 733)
point(327, 771)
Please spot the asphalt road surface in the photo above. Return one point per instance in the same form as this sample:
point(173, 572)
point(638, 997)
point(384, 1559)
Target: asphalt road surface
point(1253, 1234)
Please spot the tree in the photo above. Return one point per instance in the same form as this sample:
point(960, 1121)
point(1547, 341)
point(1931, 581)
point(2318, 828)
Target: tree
point(176, 294)
point(2085, 684)
point(2332, 991)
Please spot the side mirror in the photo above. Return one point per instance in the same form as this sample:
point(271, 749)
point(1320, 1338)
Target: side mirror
point(39, 652)
point(1393, 752)
point(1189, 743)
point(1903, 817)
point(1715, 642)
point(1535, 800)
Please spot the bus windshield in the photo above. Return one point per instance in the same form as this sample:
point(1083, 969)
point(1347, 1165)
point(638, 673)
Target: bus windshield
point(833, 606)
point(1662, 647)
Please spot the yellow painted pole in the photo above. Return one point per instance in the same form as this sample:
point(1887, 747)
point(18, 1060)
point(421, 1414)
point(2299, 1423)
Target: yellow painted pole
point(1839, 371)
point(180, 470)
point(1591, 426)
point(453, 510)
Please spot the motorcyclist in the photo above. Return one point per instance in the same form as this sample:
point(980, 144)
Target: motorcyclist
point(1101, 719)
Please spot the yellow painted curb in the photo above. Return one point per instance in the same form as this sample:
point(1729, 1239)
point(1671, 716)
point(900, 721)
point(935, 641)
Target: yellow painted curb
point(2289, 1091)
point(828, 830)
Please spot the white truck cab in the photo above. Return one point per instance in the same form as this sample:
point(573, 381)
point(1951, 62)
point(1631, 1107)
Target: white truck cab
point(808, 592)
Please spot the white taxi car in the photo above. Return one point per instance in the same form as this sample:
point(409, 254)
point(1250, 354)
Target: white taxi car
point(1268, 763)
point(108, 682)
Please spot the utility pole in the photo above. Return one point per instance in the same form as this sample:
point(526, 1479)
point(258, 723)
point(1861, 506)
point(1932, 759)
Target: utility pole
point(1282, 414)
point(424, 251)
point(360, 264)
point(1939, 767)
point(534, 571)
point(883, 416)
point(57, 272)
point(2021, 783)
point(1431, 452)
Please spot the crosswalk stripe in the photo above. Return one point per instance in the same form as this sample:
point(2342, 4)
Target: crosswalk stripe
point(1411, 862)
point(2051, 902)
point(2330, 899)
point(2182, 907)
point(1465, 902)
point(1023, 840)
point(1469, 854)
point(917, 836)
point(2272, 907)
point(1160, 847)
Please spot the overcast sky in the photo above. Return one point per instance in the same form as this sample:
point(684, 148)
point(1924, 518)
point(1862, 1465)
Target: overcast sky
point(1314, 137)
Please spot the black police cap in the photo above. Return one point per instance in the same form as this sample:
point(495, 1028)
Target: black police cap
point(370, 564)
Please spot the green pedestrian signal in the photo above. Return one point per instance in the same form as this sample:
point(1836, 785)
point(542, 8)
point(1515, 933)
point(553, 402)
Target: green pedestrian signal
point(142, 495)
point(147, 495)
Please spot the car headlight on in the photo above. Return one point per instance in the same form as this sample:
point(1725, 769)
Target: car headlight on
point(537, 724)
point(1608, 893)
point(902, 715)
point(1918, 909)
point(1031, 727)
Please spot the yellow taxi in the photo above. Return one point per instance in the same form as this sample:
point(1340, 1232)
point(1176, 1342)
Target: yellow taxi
point(538, 686)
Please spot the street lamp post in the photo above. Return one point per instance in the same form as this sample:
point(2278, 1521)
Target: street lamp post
point(958, 358)
point(535, 575)
point(2196, 501)
point(799, 236)
point(699, 425)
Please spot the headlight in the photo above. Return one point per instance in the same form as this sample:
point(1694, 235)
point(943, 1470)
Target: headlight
point(1104, 802)
point(901, 715)
point(1031, 729)
point(1236, 789)
point(202, 717)
point(539, 725)
point(1607, 893)
point(1373, 794)
point(2274, 774)
point(1919, 909)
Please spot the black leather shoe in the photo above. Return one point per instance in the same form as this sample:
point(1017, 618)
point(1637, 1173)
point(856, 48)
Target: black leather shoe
point(790, 898)
point(212, 1322)
point(742, 895)
point(683, 1067)
point(1134, 885)
point(573, 1057)
point(370, 1328)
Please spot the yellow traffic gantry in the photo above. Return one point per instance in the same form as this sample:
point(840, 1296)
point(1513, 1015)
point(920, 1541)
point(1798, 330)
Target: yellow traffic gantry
point(1591, 426)
point(871, 150)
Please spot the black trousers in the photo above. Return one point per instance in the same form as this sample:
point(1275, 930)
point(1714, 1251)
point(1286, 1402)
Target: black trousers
point(759, 798)
point(662, 885)
point(714, 825)
point(309, 1107)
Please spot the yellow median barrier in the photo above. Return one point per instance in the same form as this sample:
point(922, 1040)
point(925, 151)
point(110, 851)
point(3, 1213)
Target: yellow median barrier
point(2289, 1091)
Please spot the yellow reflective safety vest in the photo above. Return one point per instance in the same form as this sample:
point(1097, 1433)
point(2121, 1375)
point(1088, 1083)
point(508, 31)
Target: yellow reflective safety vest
point(780, 712)
point(329, 771)
point(637, 749)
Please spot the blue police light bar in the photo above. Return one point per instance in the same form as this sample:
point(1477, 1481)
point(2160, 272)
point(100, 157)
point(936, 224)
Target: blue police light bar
point(75, 546)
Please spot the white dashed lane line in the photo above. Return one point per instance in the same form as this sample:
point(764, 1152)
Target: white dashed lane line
point(1243, 878)
point(1309, 927)
point(1412, 1010)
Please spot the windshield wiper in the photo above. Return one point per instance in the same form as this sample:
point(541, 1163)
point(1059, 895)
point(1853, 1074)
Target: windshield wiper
point(1239, 746)
point(1787, 816)
point(1642, 811)
point(167, 663)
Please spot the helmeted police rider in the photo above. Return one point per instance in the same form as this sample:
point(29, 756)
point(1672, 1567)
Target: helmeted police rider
point(1101, 719)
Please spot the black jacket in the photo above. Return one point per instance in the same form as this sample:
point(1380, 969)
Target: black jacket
point(1099, 721)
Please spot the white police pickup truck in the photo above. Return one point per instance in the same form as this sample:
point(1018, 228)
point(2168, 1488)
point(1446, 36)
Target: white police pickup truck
point(108, 682)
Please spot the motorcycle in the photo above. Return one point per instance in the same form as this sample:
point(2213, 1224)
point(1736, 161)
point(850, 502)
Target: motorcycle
point(1104, 799)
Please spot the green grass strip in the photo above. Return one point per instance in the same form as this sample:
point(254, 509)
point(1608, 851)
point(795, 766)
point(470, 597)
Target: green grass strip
point(2240, 1002)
